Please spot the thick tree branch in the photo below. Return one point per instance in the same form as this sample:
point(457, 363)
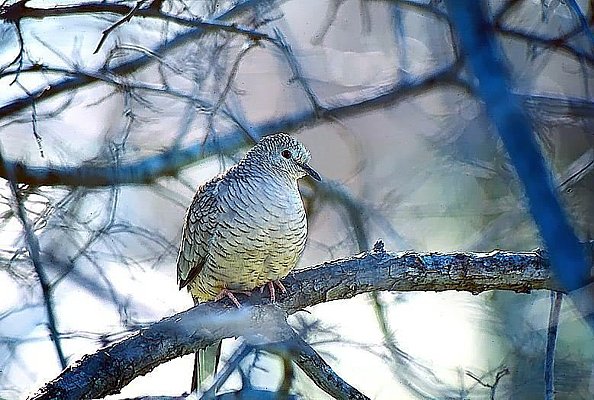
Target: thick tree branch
point(114, 366)
point(12, 13)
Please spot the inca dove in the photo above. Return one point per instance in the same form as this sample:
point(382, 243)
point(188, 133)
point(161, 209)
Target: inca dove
point(247, 227)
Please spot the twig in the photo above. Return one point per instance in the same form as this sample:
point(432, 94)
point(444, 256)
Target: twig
point(424, 388)
point(492, 386)
point(123, 20)
point(549, 367)
point(12, 14)
point(560, 43)
point(563, 43)
point(295, 349)
point(33, 248)
point(583, 22)
point(36, 134)
point(75, 82)
point(331, 12)
point(240, 353)
point(281, 42)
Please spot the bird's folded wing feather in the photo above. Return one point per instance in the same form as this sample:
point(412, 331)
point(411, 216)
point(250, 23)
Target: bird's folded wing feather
point(199, 227)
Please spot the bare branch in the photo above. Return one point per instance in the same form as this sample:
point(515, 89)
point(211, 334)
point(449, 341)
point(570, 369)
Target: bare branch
point(122, 21)
point(170, 162)
point(331, 12)
point(515, 130)
point(549, 370)
point(296, 69)
point(231, 365)
point(116, 365)
point(33, 248)
point(294, 349)
point(321, 373)
point(582, 21)
point(127, 12)
point(563, 43)
point(492, 386)
point(75, 82)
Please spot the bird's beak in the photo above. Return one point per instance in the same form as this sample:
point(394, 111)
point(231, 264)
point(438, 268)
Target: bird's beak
point(311, 172)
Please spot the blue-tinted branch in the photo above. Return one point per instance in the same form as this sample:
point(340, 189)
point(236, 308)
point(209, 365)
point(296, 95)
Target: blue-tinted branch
point(476, 36)
point(171, 161)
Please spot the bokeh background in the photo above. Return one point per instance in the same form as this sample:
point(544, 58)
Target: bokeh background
point(381, 97)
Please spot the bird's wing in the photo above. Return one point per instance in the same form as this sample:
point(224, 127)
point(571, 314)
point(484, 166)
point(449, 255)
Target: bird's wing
point(199, 227)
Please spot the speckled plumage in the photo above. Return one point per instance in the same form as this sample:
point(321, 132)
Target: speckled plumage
point(246, 227)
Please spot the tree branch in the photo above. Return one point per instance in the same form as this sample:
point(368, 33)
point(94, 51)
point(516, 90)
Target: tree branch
point(549, 368)
point(46, 287)
point(171, 161)
point(12, 13)
point(70, 83)
point(113, 367)
point(321, 373)
point(476, 37)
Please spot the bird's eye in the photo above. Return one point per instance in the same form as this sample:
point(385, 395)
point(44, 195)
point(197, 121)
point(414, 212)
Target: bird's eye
point(287, 154)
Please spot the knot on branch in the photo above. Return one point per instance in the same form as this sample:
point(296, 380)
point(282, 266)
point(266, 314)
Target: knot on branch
point(378, 247)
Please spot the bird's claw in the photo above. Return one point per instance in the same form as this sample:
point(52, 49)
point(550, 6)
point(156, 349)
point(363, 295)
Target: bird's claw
point(272, 290)
point(227, 293)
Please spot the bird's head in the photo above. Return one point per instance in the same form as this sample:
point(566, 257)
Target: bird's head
point(284, 154)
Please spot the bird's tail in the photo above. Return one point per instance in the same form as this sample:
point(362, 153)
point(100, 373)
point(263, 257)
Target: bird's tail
point(205, 365)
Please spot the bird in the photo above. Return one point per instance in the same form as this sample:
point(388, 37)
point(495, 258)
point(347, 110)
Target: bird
point(244, 229)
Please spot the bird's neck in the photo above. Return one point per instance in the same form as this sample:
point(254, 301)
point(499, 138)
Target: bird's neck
point(266, 175)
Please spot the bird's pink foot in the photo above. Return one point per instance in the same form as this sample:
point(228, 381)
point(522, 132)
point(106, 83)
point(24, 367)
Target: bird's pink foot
point(271, 289)
point(227, 293)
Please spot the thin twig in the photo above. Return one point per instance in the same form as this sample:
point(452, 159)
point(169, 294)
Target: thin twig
point(34, 117)
point(549, 370)
point(492, 386)
point(34, 254)
point(123, 20)
point(12, 14)
point(331, 12)
point(281, 42)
